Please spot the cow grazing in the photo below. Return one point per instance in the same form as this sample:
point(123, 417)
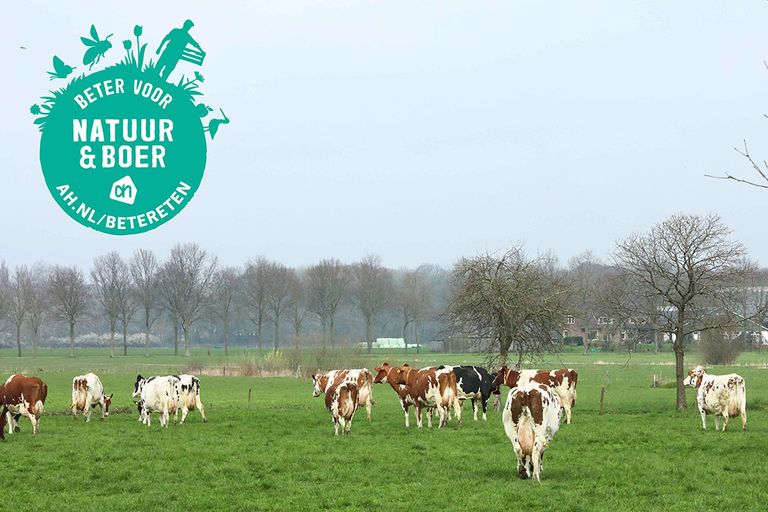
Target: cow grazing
point(563, 382)
point(362, 377)
point(531, 418)
point(473, 383)
point(429, 388)
point(87, 393)
point(25, 396)
point(158, 394)
point(190, 396)
point(719, 395)
point(342, 401)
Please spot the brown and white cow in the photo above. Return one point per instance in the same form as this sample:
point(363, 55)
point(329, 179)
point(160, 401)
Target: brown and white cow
point(342, 401)
point(429, 388)
point(362, 377)
point(719, 395)
point(22, 395)
point(563, 382)
point(87, 393)
point(531, 418)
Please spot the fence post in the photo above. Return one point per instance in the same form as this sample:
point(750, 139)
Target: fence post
point(249, 398)
point(602, 397)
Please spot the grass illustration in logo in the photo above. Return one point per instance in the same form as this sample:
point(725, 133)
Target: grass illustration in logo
point(123, 148)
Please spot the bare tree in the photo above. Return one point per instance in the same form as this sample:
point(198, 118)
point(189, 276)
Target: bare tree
point(108, 281)
point(372, 292)
point(69, 295)
point(144, 272)
point(18, 298)
point(327, 283)
point(225, 286)
point(254, 294)
point(297, 304)
point(511, 302)
point(689, 265)
point(760, 169)
point(185, 283)
point(414, 301)
point(279, 281)
point(38, 302)
point(127, 302)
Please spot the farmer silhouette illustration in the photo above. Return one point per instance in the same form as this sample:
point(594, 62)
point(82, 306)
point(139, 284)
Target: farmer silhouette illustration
point(179, 45)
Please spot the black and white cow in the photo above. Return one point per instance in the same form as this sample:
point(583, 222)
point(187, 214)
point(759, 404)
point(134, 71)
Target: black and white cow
point(474, 383)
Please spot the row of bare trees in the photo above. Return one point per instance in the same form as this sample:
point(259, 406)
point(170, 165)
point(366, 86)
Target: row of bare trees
point(191, 285)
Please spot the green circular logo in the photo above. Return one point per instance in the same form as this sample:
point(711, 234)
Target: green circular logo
point(123, 149)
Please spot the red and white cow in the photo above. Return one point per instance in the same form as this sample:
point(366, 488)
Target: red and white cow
point(362, 377)
point(719, 395)
point(158, 394)
point(531, 419)
point(87, 393)
point(342, 401)
point(563, 382)
point(429, 388)
point(22, 395)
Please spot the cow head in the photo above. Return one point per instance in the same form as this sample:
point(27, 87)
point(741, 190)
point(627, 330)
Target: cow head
point(139, 386)
point(107, 400)
point(499, 379)
point(318, 382)
point(694, 377)
point(381, 373)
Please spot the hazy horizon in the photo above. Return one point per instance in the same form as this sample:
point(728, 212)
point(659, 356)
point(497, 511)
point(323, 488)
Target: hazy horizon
point(422, 132)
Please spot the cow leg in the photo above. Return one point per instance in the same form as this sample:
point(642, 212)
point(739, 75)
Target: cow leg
point(484, 403)
point(343, 424)
point(567, 409)
point(405, 412)
point(743, 419)
point(716, 422)
point(725, 420)
point(704, 419)
point(536, 460)
point(457, 410)
point(474, 408)
point(418, 416)
point(522, 470)
point(9, 418)
point(368, 406)
point(87, 413)
point(199, 405)
point(184, 412)
point(335, 426)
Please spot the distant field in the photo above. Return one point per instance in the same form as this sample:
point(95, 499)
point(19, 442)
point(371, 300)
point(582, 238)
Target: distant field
point(280, 453)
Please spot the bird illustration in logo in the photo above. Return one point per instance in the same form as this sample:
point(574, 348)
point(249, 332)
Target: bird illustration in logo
point(60, 70)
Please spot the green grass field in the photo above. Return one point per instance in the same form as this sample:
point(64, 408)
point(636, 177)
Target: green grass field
point(280, 454)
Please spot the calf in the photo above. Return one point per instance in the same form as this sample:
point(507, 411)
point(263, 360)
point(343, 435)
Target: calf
point(342, 401)
point(87, 393)
point(563, 382)
point(189, 396)
point(719, 395)
point(531, 418)
point(428, 388)
point(474, 383)
point(362, 377)
point(22, 395)
point(158, 394)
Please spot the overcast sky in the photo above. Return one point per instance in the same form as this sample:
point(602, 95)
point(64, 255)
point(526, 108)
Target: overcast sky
point(421, 131)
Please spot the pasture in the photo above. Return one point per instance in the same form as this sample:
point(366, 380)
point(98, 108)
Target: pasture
point(280, 454)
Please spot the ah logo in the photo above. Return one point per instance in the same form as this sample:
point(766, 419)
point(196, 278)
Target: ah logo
point(134, 125)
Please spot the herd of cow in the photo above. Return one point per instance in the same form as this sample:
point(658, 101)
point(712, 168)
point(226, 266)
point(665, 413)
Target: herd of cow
point(25, 396)
point(531, 414)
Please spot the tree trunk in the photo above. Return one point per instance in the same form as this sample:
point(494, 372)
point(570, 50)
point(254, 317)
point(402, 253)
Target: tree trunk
point(324, 321)
point(277, 332)
point(18, 337)
point(185, 328)
point(125, 339)
point(259, 339)
point(35, 341)
point(226, 338)
point(112, 337)
point(71, 339)
point(368, 334)
point(146, 342)
point(175, 338)
point(333, 333)
point(416, 335)
point(679, 353)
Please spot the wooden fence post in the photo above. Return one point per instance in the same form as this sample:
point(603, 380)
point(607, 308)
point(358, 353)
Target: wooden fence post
point(249, 398)
point(602, 398)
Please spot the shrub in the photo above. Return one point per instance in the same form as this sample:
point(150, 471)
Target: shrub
point(718, 348)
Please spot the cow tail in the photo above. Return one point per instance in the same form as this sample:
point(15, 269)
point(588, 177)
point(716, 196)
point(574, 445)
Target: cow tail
point(40, 404)
point(350, 401)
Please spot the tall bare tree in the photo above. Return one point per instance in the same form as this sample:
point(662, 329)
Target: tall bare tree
point(18, 298)
point(255, 295)
point(185, 282)
point(297, 304)
point(414, 301)
point(69, 296)
point(38, 303)
point(279, 282)
point(372, 291)
point(225, 286)
point(327, 283)
point(690, 265)
point(144, 272)
point(127, 302)
point(109, 283)
point(510, 302)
